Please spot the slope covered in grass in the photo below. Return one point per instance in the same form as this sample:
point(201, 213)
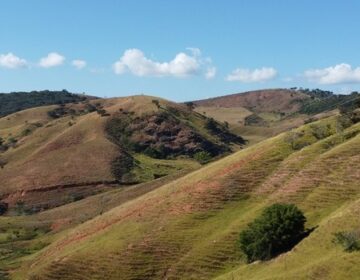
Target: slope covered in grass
point(188, 228)
point(258, 115)
point(53, 155)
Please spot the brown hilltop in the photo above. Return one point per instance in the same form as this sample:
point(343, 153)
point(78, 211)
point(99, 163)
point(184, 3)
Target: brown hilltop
point(267, 100)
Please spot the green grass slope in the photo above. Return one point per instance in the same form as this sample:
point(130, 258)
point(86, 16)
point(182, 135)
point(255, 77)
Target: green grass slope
point(188, 228)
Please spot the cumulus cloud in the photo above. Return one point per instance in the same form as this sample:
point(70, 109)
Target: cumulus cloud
point(252, 76)
point(78, 63)
point(210, 72)
point(12, 61)
point(51, 60)
point(338, 74)
point(182, 65)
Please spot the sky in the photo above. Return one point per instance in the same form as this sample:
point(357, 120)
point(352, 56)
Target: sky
point(179, 49)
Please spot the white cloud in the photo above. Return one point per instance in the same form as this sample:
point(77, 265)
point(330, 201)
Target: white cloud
point(338, 74)
point(210, 72)
point(78, 63)
point(194, 51)
point(12, 61)
point(252, 76)
point(51, 60)
point(183, 65)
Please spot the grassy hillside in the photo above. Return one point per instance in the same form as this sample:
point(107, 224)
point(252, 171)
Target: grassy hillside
point(188, 228)
point(258, 115)
point(268, 100)
point(53, 155)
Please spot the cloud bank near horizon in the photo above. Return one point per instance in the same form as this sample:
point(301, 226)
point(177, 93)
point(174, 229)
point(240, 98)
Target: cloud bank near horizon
point(339, 74)
point(190, 63)
point(245, 75)
point(182, 65)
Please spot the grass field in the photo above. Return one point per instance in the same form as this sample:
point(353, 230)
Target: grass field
point(188, 228)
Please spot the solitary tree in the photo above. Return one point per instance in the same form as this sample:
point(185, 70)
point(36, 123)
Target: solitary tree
point(156, 103)
point(277, 230)
point(190, 105)
point(3, 162)
point(3, 207)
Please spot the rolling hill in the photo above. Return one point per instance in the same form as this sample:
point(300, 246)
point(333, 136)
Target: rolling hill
point(56, 154)
point(188, 228)
point(257, 115)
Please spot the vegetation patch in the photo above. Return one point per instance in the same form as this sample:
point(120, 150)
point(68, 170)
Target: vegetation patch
point(202, 157)
point(349, 240)
point(158, 135)
point(255, 119)
point(166, 134)
point(279, 228)
point(17, 101)
point(321, 101)
point(121, 167)
point(222, 132)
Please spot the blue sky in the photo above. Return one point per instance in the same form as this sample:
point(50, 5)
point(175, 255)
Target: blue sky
point(180, 50)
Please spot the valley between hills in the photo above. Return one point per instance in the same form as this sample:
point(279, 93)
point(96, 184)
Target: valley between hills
point(141, 187)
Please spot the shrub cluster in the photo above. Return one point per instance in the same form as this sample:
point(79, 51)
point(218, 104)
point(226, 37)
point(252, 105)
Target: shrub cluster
point(349, 240)
point(277, 230)
point(17, 101)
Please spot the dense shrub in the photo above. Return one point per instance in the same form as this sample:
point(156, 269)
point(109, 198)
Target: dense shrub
point(202, 157)
point(3, 207)
point(190, 105)
point(121, 166)
point(255, 120)
point(58, 112)
point(211, 124)
point(3, 146)
point(321, 131)
point(3, 162)
point(321, 101)
point(102, 112)
point(222, 132)
point(350, 241)
point(156, 103)
point(277, 230)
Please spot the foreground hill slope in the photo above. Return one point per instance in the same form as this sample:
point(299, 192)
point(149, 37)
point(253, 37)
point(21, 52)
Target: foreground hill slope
point(55, 154)
point(188, 229)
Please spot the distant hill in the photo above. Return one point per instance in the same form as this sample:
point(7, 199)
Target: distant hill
point(268, 100)
point(17, 101)
point(260, 114)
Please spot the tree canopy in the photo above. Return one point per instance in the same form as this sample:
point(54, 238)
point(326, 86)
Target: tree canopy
point(276, 230)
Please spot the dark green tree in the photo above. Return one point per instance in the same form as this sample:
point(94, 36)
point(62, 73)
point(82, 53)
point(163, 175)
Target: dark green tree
point(190, 105)
point(3, 207)
point(156, 103)
point(277, 230)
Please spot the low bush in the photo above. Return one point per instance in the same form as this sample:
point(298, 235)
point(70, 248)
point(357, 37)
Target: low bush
point(202, 157)
point(350, 240)
point(278, 229)
point(3, 207)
